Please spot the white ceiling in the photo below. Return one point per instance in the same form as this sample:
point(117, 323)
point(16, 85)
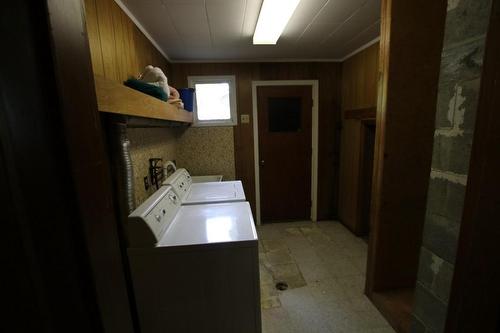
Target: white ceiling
point(222, 30)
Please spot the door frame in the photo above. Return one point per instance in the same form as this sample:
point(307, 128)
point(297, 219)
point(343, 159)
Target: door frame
point(314, 139)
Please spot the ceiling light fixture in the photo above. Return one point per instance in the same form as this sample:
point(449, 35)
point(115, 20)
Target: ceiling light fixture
point(273, 18)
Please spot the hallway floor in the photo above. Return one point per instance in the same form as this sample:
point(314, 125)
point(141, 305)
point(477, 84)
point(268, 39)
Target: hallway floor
point(324, 266)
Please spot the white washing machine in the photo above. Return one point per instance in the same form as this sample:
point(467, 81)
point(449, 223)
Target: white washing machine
point(195, 268)
point(200, 193)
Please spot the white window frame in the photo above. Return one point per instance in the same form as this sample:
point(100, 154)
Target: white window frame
point(231, 80)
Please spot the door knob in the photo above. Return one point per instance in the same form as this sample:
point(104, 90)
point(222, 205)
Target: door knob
point(261, 162)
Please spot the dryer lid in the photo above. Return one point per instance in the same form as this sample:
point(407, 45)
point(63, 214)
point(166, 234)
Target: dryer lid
point(215, 192)
point(210, 224)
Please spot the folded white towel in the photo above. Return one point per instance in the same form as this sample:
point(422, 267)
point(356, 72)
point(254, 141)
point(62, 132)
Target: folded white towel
point(155, 76)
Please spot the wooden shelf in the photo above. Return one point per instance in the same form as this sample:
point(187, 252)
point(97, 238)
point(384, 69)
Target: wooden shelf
point(114, 97)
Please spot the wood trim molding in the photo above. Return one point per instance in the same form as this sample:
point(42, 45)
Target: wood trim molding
point(361, 114)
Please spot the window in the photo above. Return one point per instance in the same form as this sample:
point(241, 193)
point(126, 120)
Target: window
point(284, 114)
point(215, 100)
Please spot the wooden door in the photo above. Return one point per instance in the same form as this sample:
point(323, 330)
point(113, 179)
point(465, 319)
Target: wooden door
point(284, 121)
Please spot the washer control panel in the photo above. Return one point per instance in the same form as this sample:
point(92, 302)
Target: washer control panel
point(181, 182)
point(157, 212)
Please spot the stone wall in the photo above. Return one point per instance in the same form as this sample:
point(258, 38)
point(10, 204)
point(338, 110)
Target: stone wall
point(461, 65)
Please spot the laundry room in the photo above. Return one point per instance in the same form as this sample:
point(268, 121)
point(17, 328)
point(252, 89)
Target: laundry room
point(257, 166)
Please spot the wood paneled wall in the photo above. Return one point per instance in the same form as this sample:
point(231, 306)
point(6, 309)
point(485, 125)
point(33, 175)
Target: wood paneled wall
point(118, 48)
point(359, 91)
point(359, 79)
point(328, 74)
point(410, 55)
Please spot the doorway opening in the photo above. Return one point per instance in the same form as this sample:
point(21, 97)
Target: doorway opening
point(368, 128)
point(285, 128)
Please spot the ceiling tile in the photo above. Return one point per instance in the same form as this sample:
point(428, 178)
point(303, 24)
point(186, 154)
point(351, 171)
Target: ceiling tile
point(226, 21)
point(344, 33)
point(302, 17)
point(316, 32)
point(190, 21)
point(182, 2)
point(369, 13)
point(252, 11)
point(207, 30)
point(363, 37)
point(337, 11)
point(153, 17)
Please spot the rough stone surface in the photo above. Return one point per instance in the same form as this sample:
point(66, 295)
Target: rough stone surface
point(442, 282)
point(445, 199)
point(417, 326)
point(435, 274)
point(466, 19)
point(459, 84)
point(429, 309)
point(452, 153)
point(440, 236)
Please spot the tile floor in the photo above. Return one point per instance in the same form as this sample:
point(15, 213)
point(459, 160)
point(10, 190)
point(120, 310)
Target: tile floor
point(324, 267)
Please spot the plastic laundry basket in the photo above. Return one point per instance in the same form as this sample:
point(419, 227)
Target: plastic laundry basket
point(187, 96)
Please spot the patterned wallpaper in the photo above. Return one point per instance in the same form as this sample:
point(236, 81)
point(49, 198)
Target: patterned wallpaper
point(146, 143)
point(201, 150)
point(207, 151)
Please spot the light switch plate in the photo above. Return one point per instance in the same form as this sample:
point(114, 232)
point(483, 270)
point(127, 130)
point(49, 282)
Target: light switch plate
point(245, 118)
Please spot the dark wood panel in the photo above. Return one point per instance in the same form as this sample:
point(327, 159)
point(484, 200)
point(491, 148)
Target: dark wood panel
point(350, 165)
point(475, 297)
point(359, 79)
point(410, 55)
point(118, 48)
point(368, 131)
point(88, 163)
point(360, 114)
point(396, 306)
point(61, 210)
point(328, 75)
point(359, 100)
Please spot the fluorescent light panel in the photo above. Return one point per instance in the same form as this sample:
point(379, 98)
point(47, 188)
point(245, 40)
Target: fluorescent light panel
point(273, 18)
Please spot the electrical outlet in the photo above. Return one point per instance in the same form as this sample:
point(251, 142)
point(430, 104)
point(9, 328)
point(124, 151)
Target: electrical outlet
point(245, 118)
point(146, 183)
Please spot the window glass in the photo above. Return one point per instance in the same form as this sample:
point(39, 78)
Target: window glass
point(284, 114)
point(215, 100)
point(212, 101)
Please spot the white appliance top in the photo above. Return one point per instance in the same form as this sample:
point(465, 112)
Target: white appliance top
point(214, 192)
point(207, 178)
point(210, 223)
point(200, 193)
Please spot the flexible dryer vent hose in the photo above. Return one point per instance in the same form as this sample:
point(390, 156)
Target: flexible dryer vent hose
point(126, 169)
